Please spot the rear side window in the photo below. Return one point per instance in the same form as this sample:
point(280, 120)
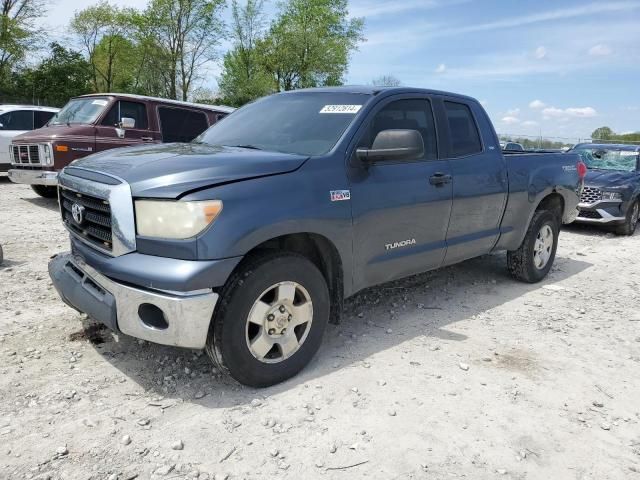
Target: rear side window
point(408, 115)
point(41, 118)
point(463, 131)
point(181, 125)
point(136, 111)
point(17, 120)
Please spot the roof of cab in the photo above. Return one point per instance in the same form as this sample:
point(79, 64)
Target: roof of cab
point(375, 90)
point(216, 108)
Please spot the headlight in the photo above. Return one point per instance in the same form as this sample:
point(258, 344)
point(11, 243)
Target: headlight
point(47, 156)
point(611, 195)
point(175, 219)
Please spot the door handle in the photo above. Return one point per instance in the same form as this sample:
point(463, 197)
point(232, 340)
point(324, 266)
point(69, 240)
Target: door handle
point(439, 179)
point(146, 139)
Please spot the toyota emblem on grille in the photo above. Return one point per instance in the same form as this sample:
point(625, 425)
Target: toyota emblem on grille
point(77, 211)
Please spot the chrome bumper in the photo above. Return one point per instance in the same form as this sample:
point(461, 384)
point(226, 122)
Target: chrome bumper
point(169, 318)
point(33, 177)
point(606, 217)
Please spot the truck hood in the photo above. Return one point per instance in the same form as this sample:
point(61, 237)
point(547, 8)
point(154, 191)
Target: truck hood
point(610, 178)
point(48, 134)
point(175, 169)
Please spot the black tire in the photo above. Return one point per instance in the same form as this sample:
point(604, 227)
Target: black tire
point(631, 222)
point(45, 191)
point(228, 339)
point(522, 262)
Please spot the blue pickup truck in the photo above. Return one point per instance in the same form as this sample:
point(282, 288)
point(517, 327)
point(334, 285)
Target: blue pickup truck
point(246, 241)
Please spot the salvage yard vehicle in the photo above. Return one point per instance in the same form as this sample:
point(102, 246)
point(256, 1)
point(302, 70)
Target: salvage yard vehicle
point(247, 241)
point(98, 122)
point(611, 195)
point(18, 119)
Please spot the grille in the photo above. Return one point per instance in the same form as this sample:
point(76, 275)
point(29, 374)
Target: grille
point(589, 214)
point(96, 224)
point(26, 154)
point(591, 195)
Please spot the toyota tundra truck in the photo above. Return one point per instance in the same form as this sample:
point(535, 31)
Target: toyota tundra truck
point(246, 241)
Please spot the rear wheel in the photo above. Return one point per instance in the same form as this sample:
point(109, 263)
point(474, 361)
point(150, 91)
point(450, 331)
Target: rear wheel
point(631, 221)
point(533, 260)
point(45, 191)
point(271, 319)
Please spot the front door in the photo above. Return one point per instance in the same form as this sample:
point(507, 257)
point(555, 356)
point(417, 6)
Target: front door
point(400, 208)
point(480, 183)
point(112, 132)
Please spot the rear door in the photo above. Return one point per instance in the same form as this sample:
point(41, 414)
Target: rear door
point(181, 124)
point(399, 217)
point(480, 183)
point(111, 134)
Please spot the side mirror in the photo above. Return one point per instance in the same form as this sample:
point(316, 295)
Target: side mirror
point(127, 122)
point(393, 145)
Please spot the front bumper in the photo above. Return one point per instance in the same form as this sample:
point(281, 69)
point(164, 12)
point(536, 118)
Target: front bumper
point(177, 319)
point(34, 177)
point(601, 212)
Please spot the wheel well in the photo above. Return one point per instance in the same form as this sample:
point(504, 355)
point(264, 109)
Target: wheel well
point(553, 202)
point(321, 252)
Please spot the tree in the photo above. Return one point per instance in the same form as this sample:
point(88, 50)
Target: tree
point(309, 44)
point(602, 133)
point(187, 34)
point(386, 81)
point(243, 78)
point(18, 34)
point(104, 31)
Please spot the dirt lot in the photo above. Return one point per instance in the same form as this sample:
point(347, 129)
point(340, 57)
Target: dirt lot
point(460, 373)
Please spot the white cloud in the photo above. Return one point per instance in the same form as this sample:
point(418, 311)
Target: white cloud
point(537, 105)
point(513, 112)
point(578, 112)
point(600, 50)
point(509, 120)
point(441, 68)
point(373, 8)
point(540, 53)
point(530, 123)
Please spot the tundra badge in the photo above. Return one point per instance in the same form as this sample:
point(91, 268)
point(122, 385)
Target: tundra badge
point(404, 243)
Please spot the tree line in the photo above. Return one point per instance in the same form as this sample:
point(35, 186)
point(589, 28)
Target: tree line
point(168, 48)
point(606, 134)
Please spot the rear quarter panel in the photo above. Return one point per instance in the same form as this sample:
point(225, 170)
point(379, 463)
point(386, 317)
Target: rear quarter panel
point(532, 177)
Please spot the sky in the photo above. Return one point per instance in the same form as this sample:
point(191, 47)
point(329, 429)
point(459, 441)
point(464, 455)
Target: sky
point(556, 68)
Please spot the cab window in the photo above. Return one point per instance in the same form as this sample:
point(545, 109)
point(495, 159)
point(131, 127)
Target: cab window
point(40, 118)
point(122, 108)
point(181, 124)
point(463, 131)
point(410, 114)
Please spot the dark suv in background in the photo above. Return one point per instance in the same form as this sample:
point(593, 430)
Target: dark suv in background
point(612, 186)
point(98, 122)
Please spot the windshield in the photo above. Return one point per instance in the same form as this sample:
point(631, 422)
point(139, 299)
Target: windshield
point(600, 159)
point(308, 123)
point(80, 110)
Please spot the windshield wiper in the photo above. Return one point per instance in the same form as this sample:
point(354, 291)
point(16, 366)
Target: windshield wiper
point(251, 147)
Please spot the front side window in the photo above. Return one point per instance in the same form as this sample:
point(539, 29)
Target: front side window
point(17, 120)
point(125, 109)
point(180, 124)
point(463, 132)
point(407, 115)
point(304, 123)
point(80, 110)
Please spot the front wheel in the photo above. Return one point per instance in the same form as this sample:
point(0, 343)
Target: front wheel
point(45, 191)
point(631, 221)
point(532, 261)
point(271, 319)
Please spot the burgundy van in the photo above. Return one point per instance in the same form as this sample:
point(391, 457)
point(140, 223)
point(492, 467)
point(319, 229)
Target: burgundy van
point(97, 122)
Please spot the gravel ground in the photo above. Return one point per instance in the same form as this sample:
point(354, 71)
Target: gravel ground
point(462, 372)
